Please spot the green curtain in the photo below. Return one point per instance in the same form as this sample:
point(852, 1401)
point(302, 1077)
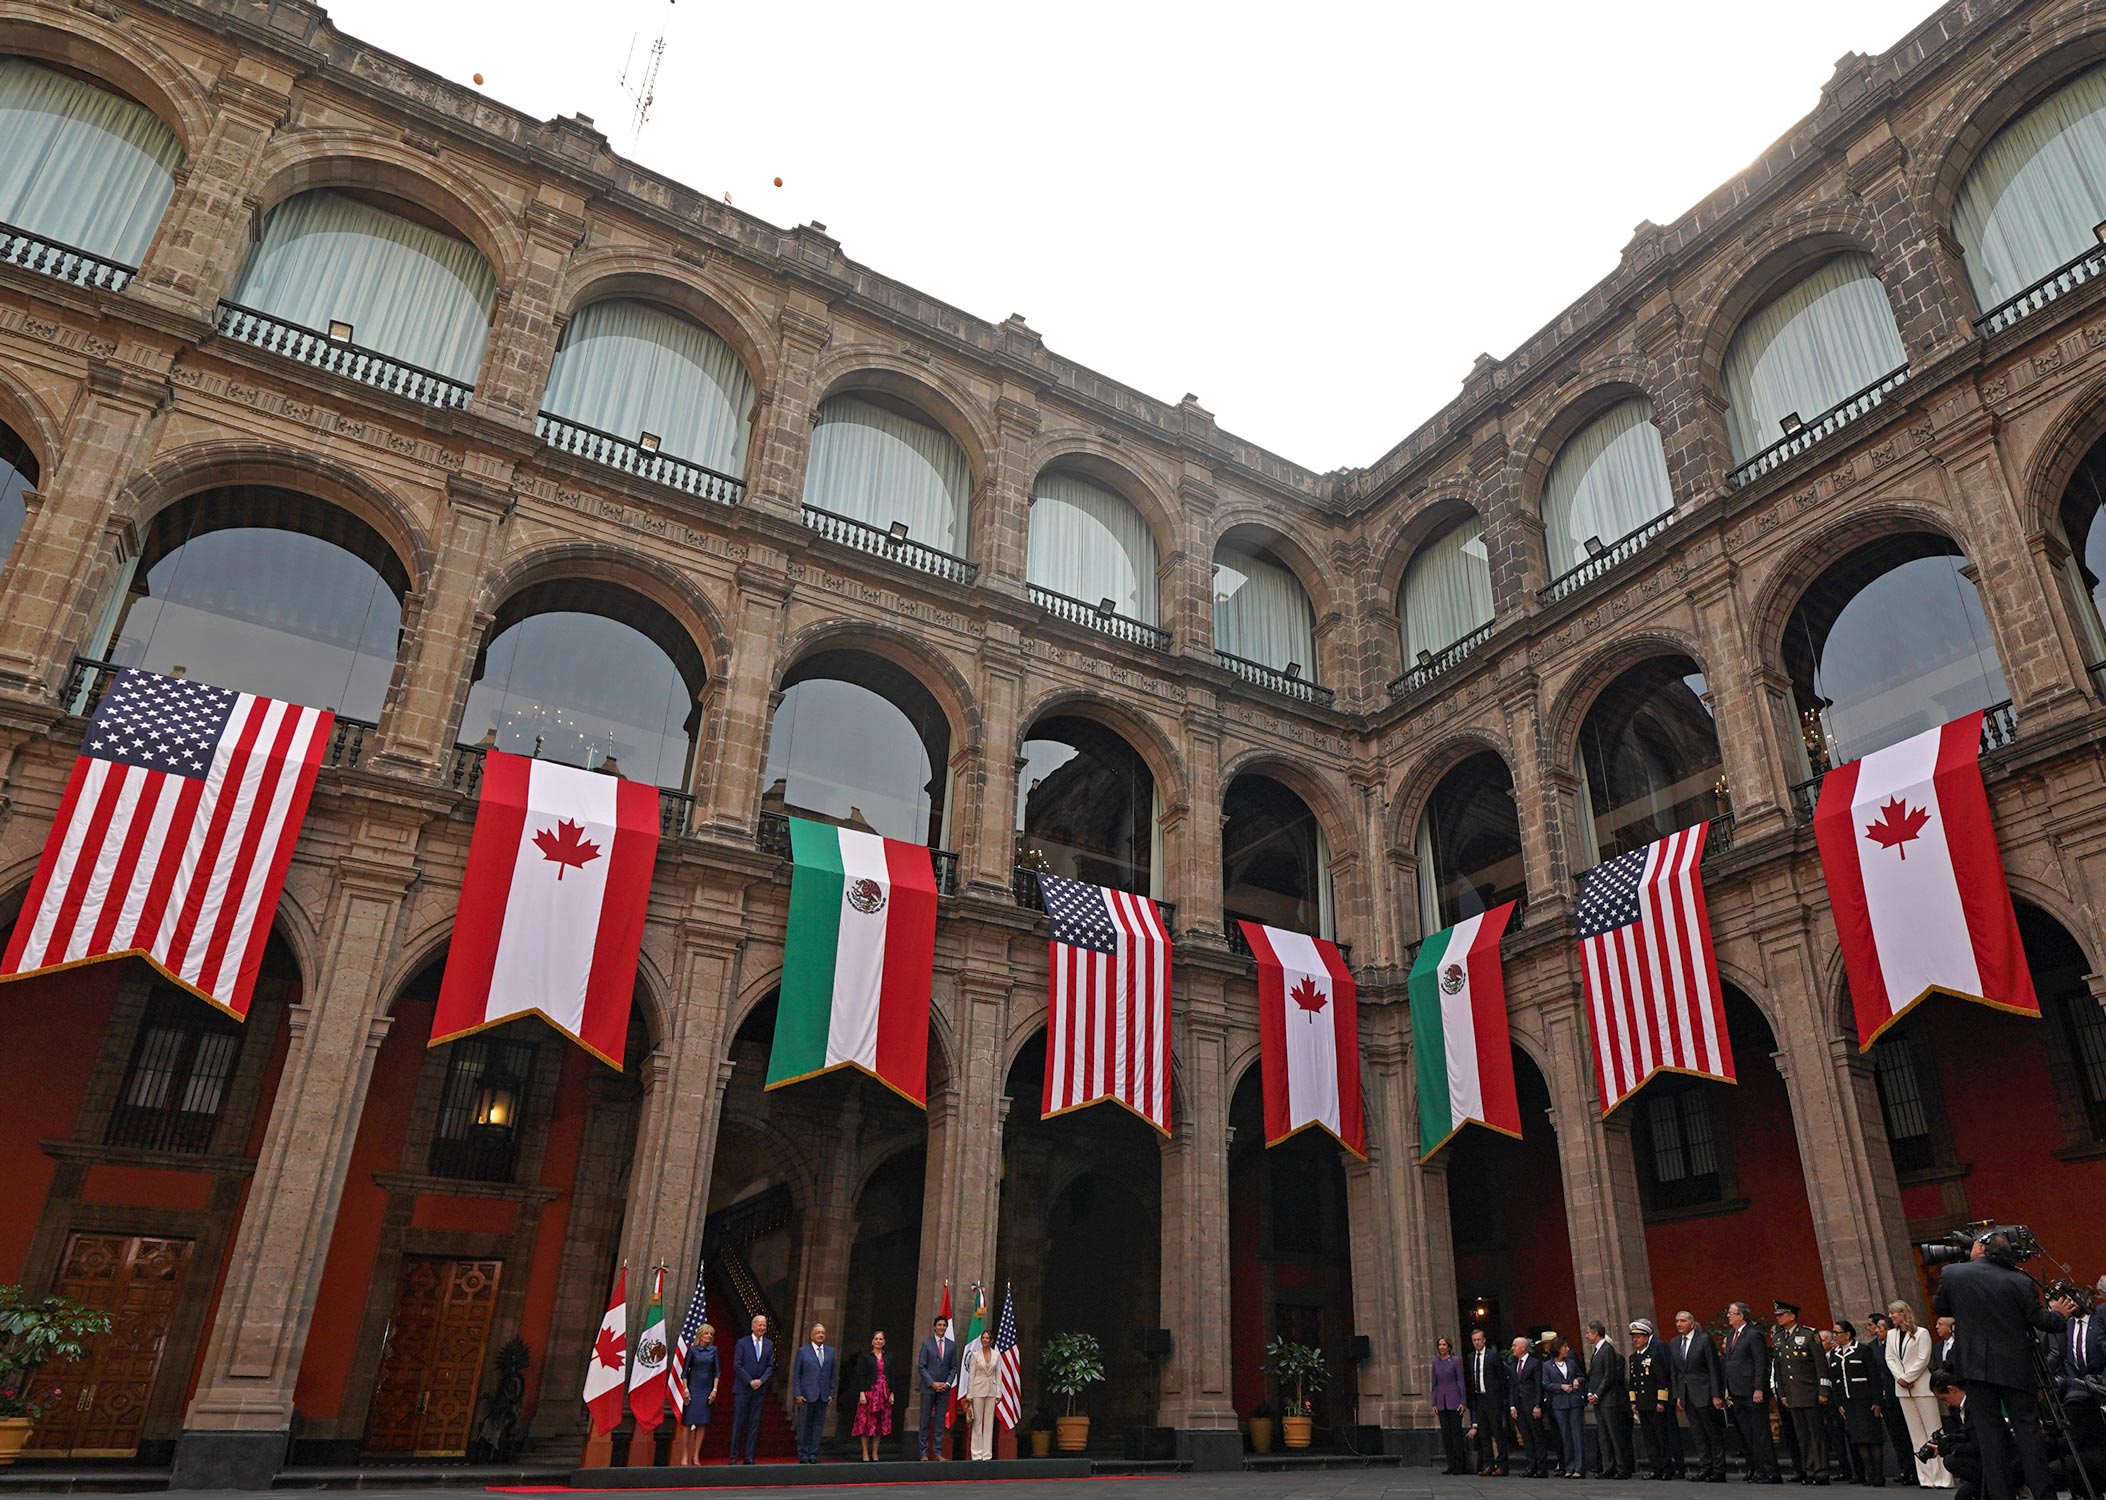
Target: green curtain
point(628, 368)
point(1090, 544)
point(81, 165)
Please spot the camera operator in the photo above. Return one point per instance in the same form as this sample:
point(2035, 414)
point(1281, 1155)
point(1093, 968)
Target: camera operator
point(1996, 1307)
point(1957, 1442)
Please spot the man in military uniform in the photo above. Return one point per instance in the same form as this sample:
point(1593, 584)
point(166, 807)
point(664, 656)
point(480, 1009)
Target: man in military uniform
point(1799, 1376)
point(1652, 1397)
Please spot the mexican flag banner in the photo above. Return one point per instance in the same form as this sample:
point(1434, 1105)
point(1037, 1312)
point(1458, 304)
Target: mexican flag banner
point(857, 959)
point(1459, 1045)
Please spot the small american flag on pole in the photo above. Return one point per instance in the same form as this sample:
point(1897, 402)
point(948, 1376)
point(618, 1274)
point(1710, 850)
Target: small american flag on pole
point(174, 834)
point(1010, 1407)
point(1108, 1036)
point(1651, 980)
point(676, 1392)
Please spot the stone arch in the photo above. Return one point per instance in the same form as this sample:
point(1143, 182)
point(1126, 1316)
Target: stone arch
point(650, 275)
point(935, 394)
point(306, 160)
point(642, 574)
point(1568, 710)
point(1155, 747)
point(1546, 434)
point(1431, 515)
point(121, 59)
point(1300, 552)
point(904, 649)
point(1407, 805)
point(2047, 470)
point(1331, 808)
point(752, 995)
point(1093, 458)
point(26, 415)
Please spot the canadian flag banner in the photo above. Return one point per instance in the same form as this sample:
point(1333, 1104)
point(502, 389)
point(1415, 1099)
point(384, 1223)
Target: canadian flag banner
point(552, 906)
point(1916, 881)
point(608, 1362)
point(1309, 1035)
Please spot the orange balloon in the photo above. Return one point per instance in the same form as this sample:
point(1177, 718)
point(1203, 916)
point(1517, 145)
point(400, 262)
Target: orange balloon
point(778, 182)
point(478, 80)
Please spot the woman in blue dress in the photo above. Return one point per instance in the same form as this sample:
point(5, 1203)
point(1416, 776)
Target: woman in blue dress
point(701, 1395)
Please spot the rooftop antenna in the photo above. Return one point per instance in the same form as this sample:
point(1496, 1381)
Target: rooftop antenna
point(645, 90)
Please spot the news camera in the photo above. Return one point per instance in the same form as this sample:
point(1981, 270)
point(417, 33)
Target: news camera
point(2006, 1244)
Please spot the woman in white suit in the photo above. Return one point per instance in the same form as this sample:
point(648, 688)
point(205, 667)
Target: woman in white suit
point(981, 1385)
point(1909, 1356)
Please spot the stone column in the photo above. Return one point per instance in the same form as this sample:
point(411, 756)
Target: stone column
point(741, 704)
point(1611, 1271)
point(782, 432)
point(828, 1238)
point(527, 322)
point(986, 780)
point(1001, 521)
point(1195, 860)
point(1196, 1391)
point(1186, 594)
point(235, 1432)
point(1755, 763)
point(1541, 793)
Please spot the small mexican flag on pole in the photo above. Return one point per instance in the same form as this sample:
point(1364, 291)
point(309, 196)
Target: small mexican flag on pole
point(970, 1342)
point(647, 1377)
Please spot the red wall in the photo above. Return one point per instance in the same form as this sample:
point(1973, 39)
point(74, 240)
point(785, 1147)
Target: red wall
point(52, 1030)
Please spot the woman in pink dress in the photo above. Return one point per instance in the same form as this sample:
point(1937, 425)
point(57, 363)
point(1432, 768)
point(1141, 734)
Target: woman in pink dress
point(870, 1382)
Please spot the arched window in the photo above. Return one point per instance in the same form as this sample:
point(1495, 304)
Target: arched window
point(2030, 201)
point(18, 475)
point(1447, 589)
point(1091, 545)
point(267, 591)
point(83, 166)
point(543, 686)
point(1608, 480)
point(1275, 864)
point(630, 368)
point(878, 461)
point(1260, 611)
point(1469, 844)
point(2082, 500)
point(1888, 642)
point(1821, 339)
point(402, 285)
point(1086, 807)
point(858, 740)
point(1648, 757)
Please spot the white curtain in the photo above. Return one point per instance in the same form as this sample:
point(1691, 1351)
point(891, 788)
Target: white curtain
point(1608, 480)
point(1260, 611)
point(1090, 544)
point(2032, 197)
point(1824, 338)
point(407, 291)
point(81, 165)
point(875, 465)
point(1447, 589)
point(629, 368)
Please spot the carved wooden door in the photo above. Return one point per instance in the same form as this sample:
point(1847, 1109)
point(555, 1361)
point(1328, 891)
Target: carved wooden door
point(432, 1363)
point(100, 1404)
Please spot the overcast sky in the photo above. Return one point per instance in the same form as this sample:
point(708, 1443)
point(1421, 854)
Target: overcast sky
point(1314, 216)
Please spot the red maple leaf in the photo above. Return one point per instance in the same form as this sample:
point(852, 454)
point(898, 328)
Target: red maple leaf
point(610, 1346)
point(1308, 997)
point(567, 846)
point(1898, 823)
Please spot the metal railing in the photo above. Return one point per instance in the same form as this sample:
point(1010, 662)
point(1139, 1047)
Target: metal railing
point(772, 836)
point(1828, 423)
point(1618, 552)
point(631, 457)
point(89, 679)
point(1240, 945)
point(1023, 889)
point(1432, 663)
point(62, 262)
point(889, 543)
point(370, 367)
point(1272, 679)
point(676, 810)
point(1514, 924)
point(1999, 732)
point(1096, 617)
point(2059, 282)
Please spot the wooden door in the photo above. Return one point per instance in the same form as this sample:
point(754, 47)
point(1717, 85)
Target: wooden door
point(100, 1405)
point(424, 1402)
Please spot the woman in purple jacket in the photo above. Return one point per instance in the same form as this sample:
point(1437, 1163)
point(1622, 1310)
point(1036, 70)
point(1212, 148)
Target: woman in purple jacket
point(1448, 1401)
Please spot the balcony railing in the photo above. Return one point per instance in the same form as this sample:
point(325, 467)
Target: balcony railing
point(1432, 663)
point(2059, 282)
point(1999, 732)
point(89, 680)
point(1240, 945)
point(676, 810)
point(1514, 924)
point(1618, 552)
point(1023, 889)
point(1096, 617)
point(1272, 679)
point(630, 457)
point(1829, 422)
point(67, 263)
point(772, 836)
point(893, 543)
point(366, 366)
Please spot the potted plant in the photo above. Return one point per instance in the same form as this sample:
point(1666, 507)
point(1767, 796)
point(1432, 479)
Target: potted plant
point(1074, 1362)
point(1041, 1433)
point(1300, 1366)
point(1261, 1427)
point(33, 1333)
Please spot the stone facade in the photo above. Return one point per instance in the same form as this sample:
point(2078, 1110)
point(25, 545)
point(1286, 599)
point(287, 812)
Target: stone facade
point(129, 402)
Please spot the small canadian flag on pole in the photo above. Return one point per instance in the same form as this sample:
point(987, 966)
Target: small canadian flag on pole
point(608, 1362)
point(1916, 880)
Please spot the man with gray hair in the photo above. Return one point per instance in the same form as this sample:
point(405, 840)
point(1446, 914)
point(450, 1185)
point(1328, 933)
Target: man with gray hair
point(1746, 1363)
point(1609, 1398)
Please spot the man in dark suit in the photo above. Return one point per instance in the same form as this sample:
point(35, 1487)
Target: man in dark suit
point(1484, 1384)
point(1524, 1403)
point(1941, 1343)
point(1890, 1410)
point(1959, 1438)
point(937, 1369)
point(1609, 1398)
point(752, 1367)
point(2083, 1340)
point(814, 1374)
point(1700, 1391)
point(1994, 1307)
point(1652, 1396)
point(1745, 1365)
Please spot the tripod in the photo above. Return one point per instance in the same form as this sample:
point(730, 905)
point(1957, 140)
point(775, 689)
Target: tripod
point(2051, 1399)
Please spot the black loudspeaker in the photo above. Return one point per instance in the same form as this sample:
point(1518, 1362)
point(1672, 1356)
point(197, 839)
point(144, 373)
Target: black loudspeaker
point(1360, 1349)
point(1153, 1343)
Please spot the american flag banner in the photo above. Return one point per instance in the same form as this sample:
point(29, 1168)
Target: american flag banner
point(173, 835)
point(690, 1329)
point(1108, 1034)
point(1009, 1409)
point(1653, 1001)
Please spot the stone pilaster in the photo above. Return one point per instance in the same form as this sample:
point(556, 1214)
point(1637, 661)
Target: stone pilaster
point(1194, 877)
point(1196, 1394)
point(1001, 521)
point(1611, 1270)
point(736, 745)
point(527, 323)
point(1755, 763)
point(782, 433)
